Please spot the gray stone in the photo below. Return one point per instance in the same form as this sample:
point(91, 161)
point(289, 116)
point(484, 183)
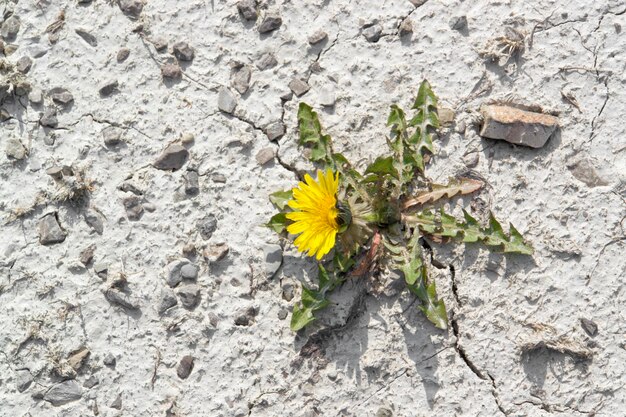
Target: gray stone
point(318, 37)
point(583, 170)
point(24, 64)
point(172, 158)
point(122, 55)
point(109, 360)
point(288, 292)
point(10, 28)
point(189, 295)
point(108, 88)
point(172, 71)
point(265, 155)
point(115, 296)
point(417, 3)
point(101, 269)
point(133, 206)
point(226, 102)
point(241, 79)
point(91, 382)
point(275, 131)
point(94, 220)
point(49, 118)
point(266, 61)
point(298, 86)
point(50, 231)
point(131, 8)
point(117, 403)
point(192, 185)
point(589, 327)
point(246, 318)
point(247, 9)
point(61, 96)
point(112, 135)
point(517, 126)
point(372, 33)
point(86, 256)
point(207, 226)
point(327, 97)
point(160, 43)
point(87, 37)
point(273, 254)
point(282, 314)
point(23, 379)
point(185, 367)
point(14, 149)
point(173, 272)
point(189, 271)
point(35, 96)
point(183, 52)
point(458, 23)
point(167, 300)
point(63, 393)
point(270, 23)
point(471, 159)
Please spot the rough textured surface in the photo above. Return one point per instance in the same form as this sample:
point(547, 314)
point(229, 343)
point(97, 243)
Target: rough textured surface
point(517, 346)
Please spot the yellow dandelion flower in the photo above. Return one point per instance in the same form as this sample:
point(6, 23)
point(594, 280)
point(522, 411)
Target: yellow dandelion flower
point(315, 214)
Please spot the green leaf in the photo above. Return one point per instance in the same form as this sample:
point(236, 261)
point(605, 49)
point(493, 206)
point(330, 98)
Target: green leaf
point(425, 121)
point(278, 222)
point(342, 262)
point(435, 309)
point(471, 230)
point(280, 199)
point(494, 235)
point(312, 299)
point(516, 243)
point(311, 135)
point(383, 166)
point(301, 317)
point(397, 118)
point(449, 190)
point(449, 226)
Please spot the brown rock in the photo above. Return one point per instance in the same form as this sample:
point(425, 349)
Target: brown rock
point(78, 358)
point(517, 126)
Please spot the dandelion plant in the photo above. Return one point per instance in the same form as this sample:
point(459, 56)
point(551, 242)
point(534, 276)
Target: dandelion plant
point(349, 220)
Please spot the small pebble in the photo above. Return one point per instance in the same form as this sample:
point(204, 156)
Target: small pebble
point(372, 33)
point(50, 231)
point(91, 382)
point(49, 118)
point(327, 97)
point(192, 186)
point(406, 28)
point(133, 206)
point(10, 28)
point(241, 79)
point(458, 23)
point(189, 271)
point(282, 314)
point(189, 295)
point(216, 252)
point(63, 393)
point(23, 380)
point(87, 37)
point(270, 23)
point(265, 155)
point(35, 96)
point(109, 360)
point(160, 44)
point(108, 88)
point(131, 8)
point(172, 158)
point(167, 300)
point(15, 150)
point(24, 64)
point(266, 61)
point(172, 71)
point(117, 403)
point(122, 55)
point(187, 138)
point(112, 135)
point(183, 52)
point(86, 256)
point(298, 86)
point(247, 9)
point(185, 367)
point(318, 37)
point(589, 327)
point(288, 292)
point(471, 159)
point(275, 131)
point(207, 226)
point(226, 102)
point(61, 96)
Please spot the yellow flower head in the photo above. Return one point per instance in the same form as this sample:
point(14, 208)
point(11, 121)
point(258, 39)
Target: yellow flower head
point(315, 214)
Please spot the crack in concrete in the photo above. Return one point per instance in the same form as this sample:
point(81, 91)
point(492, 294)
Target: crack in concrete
point(461, 350)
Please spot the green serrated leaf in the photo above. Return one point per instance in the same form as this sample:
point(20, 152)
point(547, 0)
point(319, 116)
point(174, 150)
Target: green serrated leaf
point(398, 119)
point(383, 166)
point(516, 243)
point(435, 309)
point(311, 135)
point(278, 222)
point(449, 225)
point(471, 229)
point(494, 235)
point(301, 317)
point(313, 300)
point(342, 262)
point(280, 199)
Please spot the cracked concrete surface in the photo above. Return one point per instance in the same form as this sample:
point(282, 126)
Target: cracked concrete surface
point(372, 352)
